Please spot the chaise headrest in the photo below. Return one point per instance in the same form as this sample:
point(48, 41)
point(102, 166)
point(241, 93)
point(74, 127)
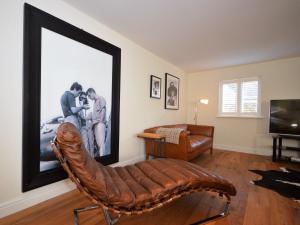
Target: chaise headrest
point(68, 133)
point(89, 172)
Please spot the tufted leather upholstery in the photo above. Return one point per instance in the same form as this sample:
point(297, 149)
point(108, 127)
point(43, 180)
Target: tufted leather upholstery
point(134, 186)
point(194, 140)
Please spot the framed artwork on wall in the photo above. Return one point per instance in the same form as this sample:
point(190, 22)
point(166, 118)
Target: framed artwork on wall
point(171, 92)
point(69, 76)
point(155, 87)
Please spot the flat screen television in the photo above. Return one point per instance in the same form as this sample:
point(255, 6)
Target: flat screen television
point(285, 117)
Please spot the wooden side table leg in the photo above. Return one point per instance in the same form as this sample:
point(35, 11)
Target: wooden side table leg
point(159, 143)
point(162, 144)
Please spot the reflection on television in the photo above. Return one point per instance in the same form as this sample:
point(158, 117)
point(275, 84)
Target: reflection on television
point(285, 117)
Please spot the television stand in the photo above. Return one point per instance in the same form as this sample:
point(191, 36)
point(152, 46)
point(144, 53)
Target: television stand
point(280, 137)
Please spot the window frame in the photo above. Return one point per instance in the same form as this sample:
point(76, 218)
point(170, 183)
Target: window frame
point(239, 112)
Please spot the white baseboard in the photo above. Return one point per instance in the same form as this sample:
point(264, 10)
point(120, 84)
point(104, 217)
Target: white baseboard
point(256, 151)
point(34, 197)
point(39, 195)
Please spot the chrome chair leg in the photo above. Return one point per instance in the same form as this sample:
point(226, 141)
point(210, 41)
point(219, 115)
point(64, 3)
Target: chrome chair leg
point(224, 213)
point(76, 211)
point(109, 219)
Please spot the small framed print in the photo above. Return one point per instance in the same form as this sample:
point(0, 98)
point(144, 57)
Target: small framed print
point(171, 92)
point(155, 87)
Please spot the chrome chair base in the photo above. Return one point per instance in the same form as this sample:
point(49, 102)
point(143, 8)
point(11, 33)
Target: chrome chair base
point(111, 221)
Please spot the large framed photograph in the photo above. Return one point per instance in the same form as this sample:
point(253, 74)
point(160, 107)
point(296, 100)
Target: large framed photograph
point(171, 92)
point(69, 76)
point(155, 87)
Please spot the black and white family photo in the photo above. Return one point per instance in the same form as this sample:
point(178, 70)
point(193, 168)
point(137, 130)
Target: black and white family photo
point(92, 125)
point(76, 87)
point(71, 76)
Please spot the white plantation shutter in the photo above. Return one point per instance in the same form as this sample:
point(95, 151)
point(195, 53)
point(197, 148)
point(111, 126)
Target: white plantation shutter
point(229, 97)
point(240, 97)
point(249, 96)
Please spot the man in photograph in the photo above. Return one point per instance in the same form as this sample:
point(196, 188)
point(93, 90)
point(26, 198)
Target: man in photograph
point(98, 119)
point(68, 104)
point(172, 94)
point(86, 126)
point(171, 99)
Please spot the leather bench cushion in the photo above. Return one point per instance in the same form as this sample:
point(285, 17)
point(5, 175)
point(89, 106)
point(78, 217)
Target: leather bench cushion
point(199, 141)
point(150, 181)
point(134, 186)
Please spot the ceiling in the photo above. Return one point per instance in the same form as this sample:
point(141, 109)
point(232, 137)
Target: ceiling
point(198, 35)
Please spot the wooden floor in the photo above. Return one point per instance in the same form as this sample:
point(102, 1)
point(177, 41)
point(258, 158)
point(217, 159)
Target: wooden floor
point(253, 205)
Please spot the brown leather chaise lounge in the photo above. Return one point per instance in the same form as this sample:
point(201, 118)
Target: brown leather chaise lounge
point(133, 189)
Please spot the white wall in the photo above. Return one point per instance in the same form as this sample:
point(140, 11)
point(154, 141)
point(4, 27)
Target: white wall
point(137, 110)
point(280, 79)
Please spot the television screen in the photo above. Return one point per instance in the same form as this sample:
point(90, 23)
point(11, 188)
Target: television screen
point(285, 116)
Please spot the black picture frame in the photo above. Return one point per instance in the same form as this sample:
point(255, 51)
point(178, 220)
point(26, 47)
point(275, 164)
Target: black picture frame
point(171, 93)
point(155, 92)
point(34, 21)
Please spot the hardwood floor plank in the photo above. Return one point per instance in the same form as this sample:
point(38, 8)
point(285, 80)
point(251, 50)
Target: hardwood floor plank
point(253, 205)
